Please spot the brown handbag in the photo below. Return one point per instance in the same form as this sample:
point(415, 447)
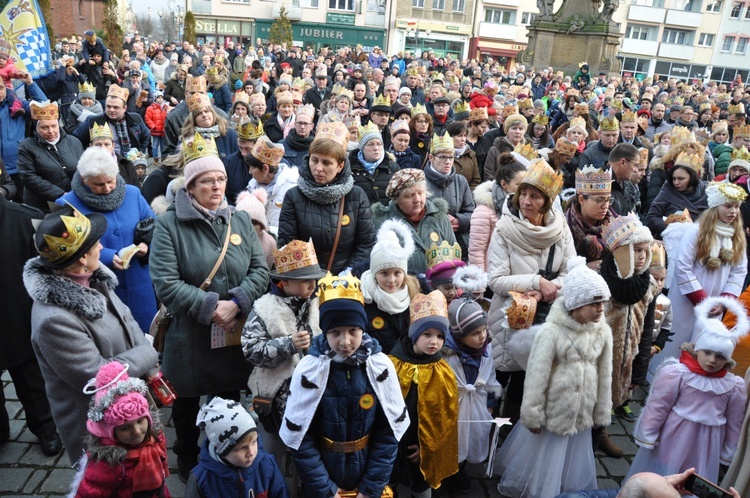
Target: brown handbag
point(338, 235)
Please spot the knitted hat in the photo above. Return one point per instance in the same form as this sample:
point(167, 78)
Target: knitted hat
point(402, 180)
point(367, 133)
point(226, 422)
point(515, 119)
point(204, 160)
point(341, 302)
point(389, 252)
point(403, 90)
point(714, 336)
point(721, 193)
point(624, 232)
point(582, 285)
point(427, 312)
point(86, 91)
point(465, 315)
point(118, 399)
point(254, 204)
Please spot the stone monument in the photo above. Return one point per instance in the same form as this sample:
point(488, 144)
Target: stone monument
point(580, 30)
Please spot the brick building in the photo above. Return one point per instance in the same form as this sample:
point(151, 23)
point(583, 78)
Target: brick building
point(75, 16)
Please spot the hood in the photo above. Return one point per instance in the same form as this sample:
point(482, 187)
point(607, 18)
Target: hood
point(483, 194)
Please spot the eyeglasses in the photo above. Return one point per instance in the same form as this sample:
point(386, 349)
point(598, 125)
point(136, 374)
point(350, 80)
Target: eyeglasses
point(445, 159)
point(601, 201)
point(210, 182)
point(303, 124)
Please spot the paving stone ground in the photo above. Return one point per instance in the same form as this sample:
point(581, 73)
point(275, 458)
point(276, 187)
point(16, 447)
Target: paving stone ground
point(25, 471)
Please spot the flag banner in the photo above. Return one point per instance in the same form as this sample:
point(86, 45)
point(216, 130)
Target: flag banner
point(22, 26)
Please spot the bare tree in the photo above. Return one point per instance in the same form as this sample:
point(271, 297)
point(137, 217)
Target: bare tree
point(169, 26)
point(145, 25)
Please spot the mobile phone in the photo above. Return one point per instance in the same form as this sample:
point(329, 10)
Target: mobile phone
point(703, 488)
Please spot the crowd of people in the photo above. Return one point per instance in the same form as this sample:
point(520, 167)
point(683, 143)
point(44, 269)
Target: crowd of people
point(390, 256)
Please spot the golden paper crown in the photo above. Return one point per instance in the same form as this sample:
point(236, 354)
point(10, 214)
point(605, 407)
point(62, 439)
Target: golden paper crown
point(616, 103)
point(198, 147)
point(702, 136)
point(509, 110)
point(526, 150)
point(295, 255)
point(103, 131)
point(119, 92)
point(198, 101)
point(741, 131)
point(681, 135)
point(428, 305)
point(212, 71)
point(643, 156)
point(86, 87)
point(44, 111)
point(736, 108)
point(444, 142)
point(658, 254)
point(77, 229)
point(284, 97)
point(437, 254)
point(628, 117)
point(678, 101)
point(299, 84)
point(307, 110)
point(296, 96)
point(619, 229)
point(219, 59)
point(719, 125)
point(542, 176)
point(722, 96)
point(345, 93)
point(462, 106)
point(692, 161)
point(335, 131)
point(680, 217)
point(382, 100)
point(582, 108)
point(593, 181)
point(525, 104)
point(340, 287)
point(521, 311)
point(741, 154)
point(370, 127)
point(268, 152)
point(242, 97)
point(412, 71)
point(478, 114)
point(418, 109)
point(257, 98)
point(609, 123)
point(250, 129)
point(577, 121)
point(566, 147)
point(541, 119)
point(399, 125)
point(704, 106)
point(196, 84)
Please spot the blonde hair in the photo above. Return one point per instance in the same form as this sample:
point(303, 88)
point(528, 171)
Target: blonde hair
point(707, 234)
point(412, 284)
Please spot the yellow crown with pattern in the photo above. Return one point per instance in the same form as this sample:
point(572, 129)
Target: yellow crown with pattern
point(521, 311)
point(336, 131)
point(462, 106)
point(566, 147)
point(294, 256)
point(299, 84)
point(242, 97)
point(198, 147)
point(428, 305)
point(370, 127)
point(542, 176)
point(526, 150)
point(742, 131)
point(418, 109)
point(525, 104)
point(103, 131)
point(86, 88)
point(582, 108)
point(681, 135)
point(571, 92)
point(219, 59)
point(678, 101)
point(212, 71)
point(736, 108)
point(628, 117)
point(268, 152)
point(339, 287)
point(250, 129)
point(119, 92)
point(509, 110)
point(577, 121)
point(196, 84)
point(741, 154)
point(540, 119)
point(77, 230)
point(444, 142)
point(616, 103)
point(593, 181)
point(437, 254)
point(307, 110)
point(658, 254)
point(412, 71)
point(609, 123)
point(478, 114)
point(198, 101)
point(44, 111)
point(705, 106)
point(692, 161)
point(346, 93)
point(398, 126)
point(382, 100)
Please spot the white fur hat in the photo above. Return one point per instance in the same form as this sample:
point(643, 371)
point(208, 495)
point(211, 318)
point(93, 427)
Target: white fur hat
point(714, 336)
point(389, 252)
point(470, 278)
point(582, 285)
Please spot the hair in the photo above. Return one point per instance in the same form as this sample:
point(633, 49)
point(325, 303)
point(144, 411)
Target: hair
point(188, 129)
point(430, 124)
point(694, 180)
point(707, 233)
point(240, 102)
point(327, 147)
point(456, 128)
point(507, 167)
point(525, 186)
point(253, 162)
point(97, 161)
point(624, 151)
point(422, 184)
point(413, 286)
point(544, 139)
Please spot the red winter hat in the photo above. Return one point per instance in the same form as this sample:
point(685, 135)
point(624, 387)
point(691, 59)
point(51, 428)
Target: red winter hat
point(118, 399)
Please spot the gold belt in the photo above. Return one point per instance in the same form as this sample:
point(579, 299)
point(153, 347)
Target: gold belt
point(345, 446)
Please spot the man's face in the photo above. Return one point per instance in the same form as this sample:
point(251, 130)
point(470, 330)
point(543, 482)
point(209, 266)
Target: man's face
point(646, 105)
point(115, 108)
point(392, 92)
point(321, 82)
point(441, 109)
point(411, 81)
point(380, 118)
point(585, 94)
point(97, 58)
point(609, 138)
point(435, 93)
point(658, 111)
point(359, 91)
point(66, 47)
point(628, 131)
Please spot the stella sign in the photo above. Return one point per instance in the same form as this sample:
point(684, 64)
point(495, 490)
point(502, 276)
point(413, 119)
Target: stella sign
point(216, 26)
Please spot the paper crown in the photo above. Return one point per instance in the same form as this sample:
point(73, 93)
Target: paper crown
point(340, 287)
point(628, 117)
point(616, 104)
point(400, 125)
point(336, 131)
point(219, 59)
point(345, 93)
point(526, 150)
point(296, 96)
point(461, 107)
point(571, 91)
point(721, 193)
point(619, 230)
point(658, 254)
point(702, 136)
point(418, 109)
point(705, 106)
point(370, 127)
point(441, 142)
point(198, 101)
point(692, 161)
point(437, 254)
point(741, 131)
point(540, 119)
point(306, 110)
point(478, 114)
point(212, 71)
point(741, 154)
point(609, 123)
point(284, 97)
point(250, 129)
point(678, 101)
point(295, 255)
point(119, 92)
point(198, 147)
point(719, 126)
point(509, 110)
point(86, 87)
point(44, 111)
point(412, 71)
point(242, 97)
point(577, 122)
point(582, 108)
point(300, 85)
point(566, 147)
point(525, 104)
point(77, 229)
point(593, 181)
point(428, 305)
point(542, 176)
point(681, 135)
point(268, 152)
point(257, 98)
point(5, 49)
point(736, 108)
point(382, 101)
point(103, 131)
point(196, 84)
point(520, 313)
point(679, 217)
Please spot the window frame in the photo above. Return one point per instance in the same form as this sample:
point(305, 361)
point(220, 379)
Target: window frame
point(461, 3)
point(741, 42)
point(334, 5)
point(501, 13)
point(736, 5)
point(726, 39)
point(438, 5)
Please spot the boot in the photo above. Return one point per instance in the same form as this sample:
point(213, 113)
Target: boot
point(608, 447)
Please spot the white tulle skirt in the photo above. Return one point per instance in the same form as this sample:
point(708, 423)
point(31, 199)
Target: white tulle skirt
point(545, 465)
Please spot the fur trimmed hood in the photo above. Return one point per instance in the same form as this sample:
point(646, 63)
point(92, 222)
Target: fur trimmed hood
point(44, 286)
point(483, 194)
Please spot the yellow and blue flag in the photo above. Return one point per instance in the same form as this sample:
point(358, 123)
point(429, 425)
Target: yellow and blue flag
point(22, 26)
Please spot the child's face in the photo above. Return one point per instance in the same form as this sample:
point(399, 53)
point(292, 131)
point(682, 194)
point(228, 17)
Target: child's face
point(87, 101)
point(3, 62)
point(141, 171)
point(640, 253)
point(660, 276)
point(448, 290)
point(344, 340)
point(429, 342)
point(405, 98)
point(476, 338)
point(243, 454)
point(710, 361)
point(132, 433)
point(390, 280)
point(300, 288)
point(589, 313)
point(728, 212)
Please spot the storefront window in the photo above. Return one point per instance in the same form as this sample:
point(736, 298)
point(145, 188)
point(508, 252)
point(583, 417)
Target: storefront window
point(341, 4)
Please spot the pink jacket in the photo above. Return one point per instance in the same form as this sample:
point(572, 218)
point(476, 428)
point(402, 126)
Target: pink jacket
point(483, 221)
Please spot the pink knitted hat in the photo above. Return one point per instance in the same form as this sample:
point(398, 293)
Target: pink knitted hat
point(118, 399)
point(204, 164)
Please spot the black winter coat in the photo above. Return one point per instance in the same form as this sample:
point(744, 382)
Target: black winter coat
point(386, 328)
point(374, 184)
point(138, 133)
point(274, 131)
point(670, 201)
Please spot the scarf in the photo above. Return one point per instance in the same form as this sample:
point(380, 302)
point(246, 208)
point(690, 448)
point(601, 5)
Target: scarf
point(370, 167)
point(325, 194)
point(721, 251)
point(587, 238)
point(528, 238)
point(626, 291)
point(80, 278)
point(208, 213)
point(298, 143)
point(498, 197)
point(123, 139)
point(212, 131)
point(460, 152)
point(287, 125)
point(101, 202)
point(692, 363)
point(581, 146)
point(403, 153)
point(392, 304)
point(150, 456)
point(359, 357)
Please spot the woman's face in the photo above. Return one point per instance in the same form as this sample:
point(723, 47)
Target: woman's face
point(405, 98)
point(728, 212)
point(680, 179)
point(421, 125)
point(442, 161)
point(515, 134)
point(205, 118)
point(286, 110)
point(720, 137)
point(511, 186)
point(240, 111)
point(92, 257)
point(373, 150)
point(101, 184)
point(324, 168)
point(400, 142)
point(48, 129)
point(459, 140)
point(390, 280)
point(595, 207)
point(208, 189)
point(342, 106)
point(411, 202)
point(481, 128)
point(531, 202)
point(259, 109)
point(575, 135)
point(539, 130)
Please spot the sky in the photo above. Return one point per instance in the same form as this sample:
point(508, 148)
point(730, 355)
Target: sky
point(141, 6)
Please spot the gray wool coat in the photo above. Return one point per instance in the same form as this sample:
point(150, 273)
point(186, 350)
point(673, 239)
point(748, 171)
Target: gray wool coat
point(74, 331)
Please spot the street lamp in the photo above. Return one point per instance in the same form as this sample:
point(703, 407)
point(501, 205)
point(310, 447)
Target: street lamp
point(179, 17)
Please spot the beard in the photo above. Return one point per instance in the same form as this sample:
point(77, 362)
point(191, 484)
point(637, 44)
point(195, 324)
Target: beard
point(656, 121)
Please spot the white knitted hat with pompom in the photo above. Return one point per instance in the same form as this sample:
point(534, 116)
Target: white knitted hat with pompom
point(389, 251)
point(714, 336)
point(583, 285)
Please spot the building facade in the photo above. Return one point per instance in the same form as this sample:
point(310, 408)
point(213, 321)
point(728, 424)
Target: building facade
point(75, 16)
point(729, 59)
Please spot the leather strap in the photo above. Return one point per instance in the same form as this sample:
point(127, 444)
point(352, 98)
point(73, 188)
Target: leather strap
point(338, 235)
point(206, 283)
point(345, 446)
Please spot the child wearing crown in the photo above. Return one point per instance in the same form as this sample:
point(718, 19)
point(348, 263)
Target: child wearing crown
point(345, 414)
point(85, 105)
point(442, 263)
point(428, 452)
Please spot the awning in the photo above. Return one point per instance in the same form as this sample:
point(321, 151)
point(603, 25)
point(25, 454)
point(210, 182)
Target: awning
point(497, 49)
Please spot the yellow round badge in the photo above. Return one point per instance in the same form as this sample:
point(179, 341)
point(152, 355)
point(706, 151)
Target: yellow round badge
point(235, 239)
point(434, 237)
point(345, 220)
point(420, 145)
point(378, 322)
point(366, 401)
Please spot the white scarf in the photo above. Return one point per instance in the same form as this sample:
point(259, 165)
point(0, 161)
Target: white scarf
point(392, 304)
point(722, 239)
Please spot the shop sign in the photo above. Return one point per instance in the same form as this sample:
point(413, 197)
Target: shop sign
point(679, 70)
point(217, 26)
point(337, 18)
